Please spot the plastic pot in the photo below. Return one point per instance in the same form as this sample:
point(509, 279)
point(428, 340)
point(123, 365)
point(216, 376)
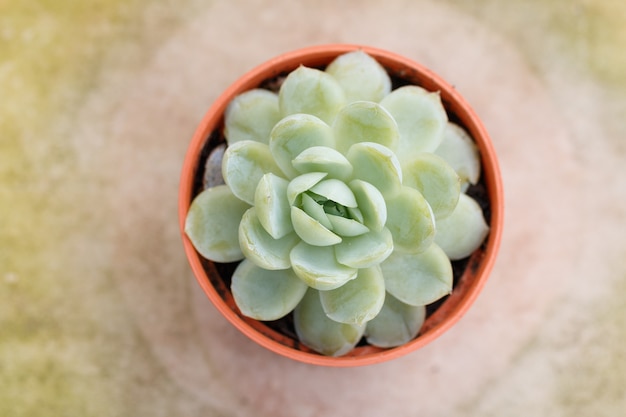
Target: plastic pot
point(472, 273)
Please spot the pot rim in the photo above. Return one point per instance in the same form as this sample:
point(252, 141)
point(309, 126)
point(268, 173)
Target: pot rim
point(480, 264)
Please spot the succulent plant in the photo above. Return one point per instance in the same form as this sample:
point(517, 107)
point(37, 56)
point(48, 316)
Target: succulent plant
point(345, 202)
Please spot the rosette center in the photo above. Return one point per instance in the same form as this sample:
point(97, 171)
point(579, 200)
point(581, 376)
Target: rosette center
point(326, 212)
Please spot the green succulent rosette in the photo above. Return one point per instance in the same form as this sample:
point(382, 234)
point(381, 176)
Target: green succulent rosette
point(345, 203)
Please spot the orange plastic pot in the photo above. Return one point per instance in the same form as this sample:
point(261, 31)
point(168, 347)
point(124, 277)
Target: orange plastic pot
point(214, 278)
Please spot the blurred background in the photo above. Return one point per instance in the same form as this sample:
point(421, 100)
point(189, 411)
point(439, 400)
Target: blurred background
point(99, 312)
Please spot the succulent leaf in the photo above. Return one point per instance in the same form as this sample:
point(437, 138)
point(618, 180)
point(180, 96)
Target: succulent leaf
point(293, 135)
point(213, 167)
point(346, 227)
point(396, 324)
point(323, 159)
point(260, 247)
point(365, 250)
point(317, 331)
point(410, 220)
point(316, 211)
point(244, 165)
point(356, 214)
point(272, 207)
point(212, 224)
point(360, 76)
point(336, 191)
point(377, 165)
point(371, 204)
point(310, 230)
point(251, 116)
point(266, 295)
point(460, 151)
point(317, 266)
point(462, 232)
point(418, 279)
point(302, 183)
point(365, 121)
point(436, 180)
point(357, 301)
point(311, 91)
point(421, 119)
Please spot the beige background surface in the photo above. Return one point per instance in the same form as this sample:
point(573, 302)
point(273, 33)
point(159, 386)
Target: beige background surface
point(99, 313)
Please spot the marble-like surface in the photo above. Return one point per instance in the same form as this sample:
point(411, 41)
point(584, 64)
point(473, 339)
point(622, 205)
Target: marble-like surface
point(99, 312)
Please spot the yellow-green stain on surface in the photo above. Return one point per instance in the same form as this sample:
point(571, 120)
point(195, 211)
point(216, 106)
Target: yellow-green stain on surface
point(589, 34)
point(66, 347)
point(592, 382)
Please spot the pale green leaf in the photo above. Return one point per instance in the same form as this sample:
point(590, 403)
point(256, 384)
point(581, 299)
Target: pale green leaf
point(301, 184)
point(357, 301)
point(266, 295)
point(346, 227)
point(418, 279)
point(366, 250)
point(335, 190)
point(294, 134)
point(396, 324)
point(356, 214)
point(460, 151)
point(318, 332)
point(260, 247)
point(360, 76)
point(376, 164)
point(323, 159)
point(311, 91)
point(316, 211)
point(371, 204)
point(421, 119)
point(462, 232)
point(365, 121)
point(310, 230)
point(212, 224)
point(410, 220)
point(438, 182)
point(244, 165)
point(272, 207)
point(317, 266)
point(251, 116)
